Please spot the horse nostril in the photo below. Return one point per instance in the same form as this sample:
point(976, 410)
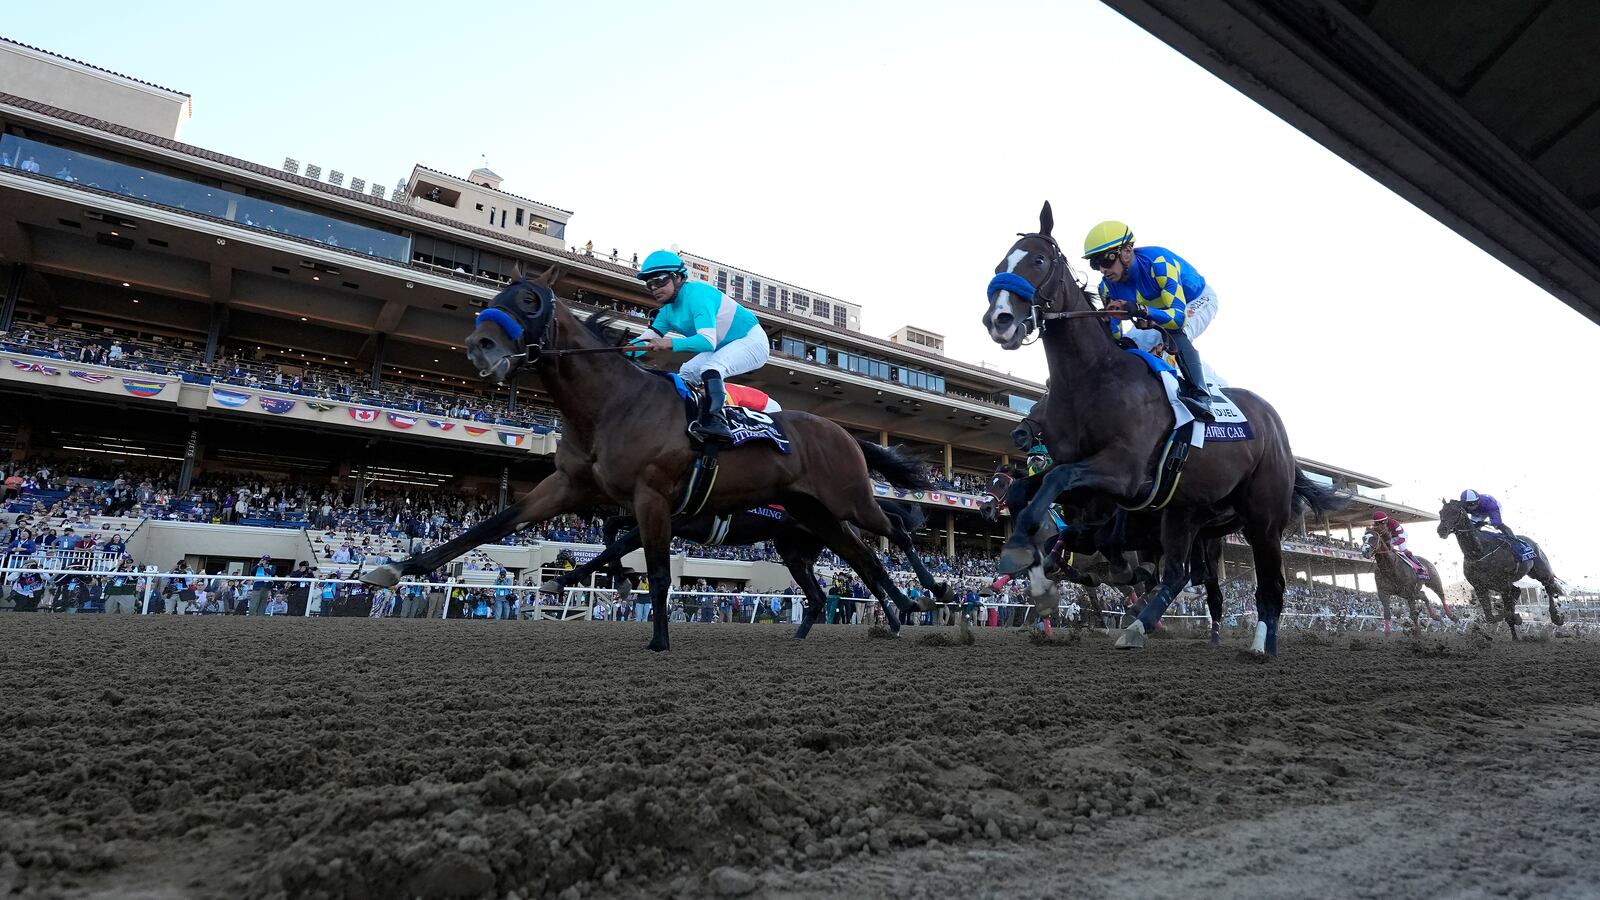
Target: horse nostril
point(1002, 321)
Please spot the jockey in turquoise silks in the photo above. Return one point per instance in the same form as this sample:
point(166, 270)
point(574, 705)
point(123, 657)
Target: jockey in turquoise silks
point(1163, 294)
point(724, 336)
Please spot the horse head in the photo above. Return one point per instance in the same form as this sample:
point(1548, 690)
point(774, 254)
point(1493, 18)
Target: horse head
point(1453, 518)
point(1368, 545)
point(1034, 276)
point(995, 492)
point(512, 331)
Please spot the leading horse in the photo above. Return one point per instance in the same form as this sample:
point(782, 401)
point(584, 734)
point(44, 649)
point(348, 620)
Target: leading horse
point(1107, 422)
point(623, 442)
point(1493, 565)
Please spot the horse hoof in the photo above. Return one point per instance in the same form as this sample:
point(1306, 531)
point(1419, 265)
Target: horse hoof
point(383, 576)
point(1015, 560)
point(553, 586)
point(656, 648)
point(1132, 637)
point(801, 632)
point(1215, 640)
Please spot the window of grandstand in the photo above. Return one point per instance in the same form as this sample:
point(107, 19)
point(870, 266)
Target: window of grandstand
point(823, 309)
point(802, 302)
point(864, 365)
point(841, 317)
point(738, 287)
point(925, 380)
point(1020, 404)
point(722, 280)
point(149, 186)
point(772, 295)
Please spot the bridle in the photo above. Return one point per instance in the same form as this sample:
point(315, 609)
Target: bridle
point(1047, 300)
point(518, 324)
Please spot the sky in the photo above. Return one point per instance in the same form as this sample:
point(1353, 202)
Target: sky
point(887, 153)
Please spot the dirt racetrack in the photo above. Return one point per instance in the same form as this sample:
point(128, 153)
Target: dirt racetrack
point(157, 757)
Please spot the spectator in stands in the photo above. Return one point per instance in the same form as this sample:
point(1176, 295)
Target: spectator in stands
point(278, 605)
point(261, 586)
point(25, 589)
point(299, 593)
point(178, 592)
point(382, 604)
point(435, 595)
point(121, 589)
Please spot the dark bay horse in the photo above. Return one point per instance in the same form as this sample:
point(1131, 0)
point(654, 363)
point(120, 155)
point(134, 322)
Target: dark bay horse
point(623, 442)
point(797, 547)
point(1106, 422)
point(1396, 578)
point(1489, 560)
point(1091, 551)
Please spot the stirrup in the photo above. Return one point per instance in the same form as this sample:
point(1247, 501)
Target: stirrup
point(1200, 408)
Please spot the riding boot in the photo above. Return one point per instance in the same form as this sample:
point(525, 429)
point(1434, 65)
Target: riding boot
point(1193, 390)
point(712, 426)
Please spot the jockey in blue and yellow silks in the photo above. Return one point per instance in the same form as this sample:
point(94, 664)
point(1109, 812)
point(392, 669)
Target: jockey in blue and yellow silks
point(725, 337)
point(1163, 294)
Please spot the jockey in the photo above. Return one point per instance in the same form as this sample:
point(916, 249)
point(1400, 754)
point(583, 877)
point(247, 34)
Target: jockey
point(1392, 533)
point(1485, 510)
point(1164, 296)
point(724, 336)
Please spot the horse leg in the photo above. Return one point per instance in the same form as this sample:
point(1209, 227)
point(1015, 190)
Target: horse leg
point(616, 549)
point(1178, 529)
point(901, 538)
point(1436, 584)
point(654, 513)
point(1266, 547)
point(551, 497)
point(1019, 553)
point(799, 560)
point(820, 521)
point(1508, 599)
point(1545, 575)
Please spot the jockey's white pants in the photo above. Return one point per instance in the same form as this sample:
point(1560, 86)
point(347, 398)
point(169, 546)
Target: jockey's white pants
point(1197, 315)
point(746, 354)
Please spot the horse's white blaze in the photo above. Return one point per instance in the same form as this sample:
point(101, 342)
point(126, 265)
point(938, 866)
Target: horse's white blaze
point(1037, 583)
point(1259, 645)
point(1002, 300)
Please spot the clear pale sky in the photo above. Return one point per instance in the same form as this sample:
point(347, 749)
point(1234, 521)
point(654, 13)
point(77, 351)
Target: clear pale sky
point(887, 153)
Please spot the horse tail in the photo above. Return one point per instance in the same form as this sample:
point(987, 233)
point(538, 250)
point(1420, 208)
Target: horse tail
point(897, 467)
point(1314, 498)
point(910, 516)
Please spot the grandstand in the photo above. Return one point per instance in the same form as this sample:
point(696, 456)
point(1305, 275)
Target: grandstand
point(211, 360)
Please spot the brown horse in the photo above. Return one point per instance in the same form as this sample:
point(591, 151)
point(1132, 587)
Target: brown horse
point(623, 442)
point(1396, 578)
point(1492, 565)
point(1107, 421)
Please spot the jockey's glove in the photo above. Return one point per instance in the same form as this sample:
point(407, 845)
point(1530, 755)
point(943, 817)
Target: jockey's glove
point(639, 342)
point(1140, 311)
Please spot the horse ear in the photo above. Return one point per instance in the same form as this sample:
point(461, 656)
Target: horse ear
point(516, 271)
point(1047, 220)
point(550, 277)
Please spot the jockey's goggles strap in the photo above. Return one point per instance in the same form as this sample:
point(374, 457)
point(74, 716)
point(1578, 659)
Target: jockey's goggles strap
point(1016, 284)
point(511, 326)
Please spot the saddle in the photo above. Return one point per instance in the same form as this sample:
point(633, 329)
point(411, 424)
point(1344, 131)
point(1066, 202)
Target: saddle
point(746, 421)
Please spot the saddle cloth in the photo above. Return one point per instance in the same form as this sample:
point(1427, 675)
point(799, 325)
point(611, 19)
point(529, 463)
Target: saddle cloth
point(1230, 424)
point(746, 425)
point(1525, 551)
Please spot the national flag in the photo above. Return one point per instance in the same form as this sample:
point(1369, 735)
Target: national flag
point(951, 499)
point(34, 367)
point(91, 377)
point(474, 430)
point(401, 421)
point(900, 492)
point(918, 495)
point(230, 398)
point(276, 405)
point(363, 415)
point(966, 501)
point(934, 496)
point(512, 439)
point(141, 388)
point(882, 490)
point(442, 426)
point(319, 405)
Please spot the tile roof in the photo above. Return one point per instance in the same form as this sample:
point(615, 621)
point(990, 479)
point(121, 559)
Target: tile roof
point(79, 62)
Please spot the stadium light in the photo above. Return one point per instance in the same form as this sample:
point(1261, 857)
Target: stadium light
point(358, 184)
point(336, 178)
point(292, 166)
point(313, 172)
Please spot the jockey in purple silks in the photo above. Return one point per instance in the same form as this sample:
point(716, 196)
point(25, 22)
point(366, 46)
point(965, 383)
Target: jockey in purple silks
point(1485, 510)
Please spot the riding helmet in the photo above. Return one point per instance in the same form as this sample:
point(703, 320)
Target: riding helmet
point(662, 262)
point(1108, 235)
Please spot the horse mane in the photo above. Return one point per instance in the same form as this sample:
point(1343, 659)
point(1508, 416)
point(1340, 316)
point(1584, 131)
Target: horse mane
point(605, 328)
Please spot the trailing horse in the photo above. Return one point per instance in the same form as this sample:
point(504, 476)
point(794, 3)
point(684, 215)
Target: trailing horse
point(1108, 422)
point(1396, 578)
point(797, 547)
point(1493, 564)
point(623, 442)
